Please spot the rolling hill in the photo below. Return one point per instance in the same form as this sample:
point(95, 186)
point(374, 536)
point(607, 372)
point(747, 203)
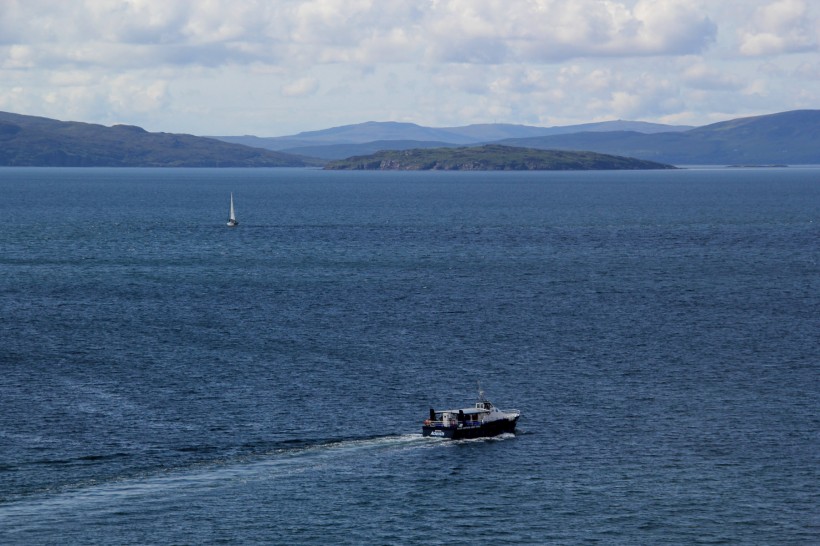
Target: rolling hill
point(340, 151)
point(783, 138)
point(35, 141)
point(359, 139)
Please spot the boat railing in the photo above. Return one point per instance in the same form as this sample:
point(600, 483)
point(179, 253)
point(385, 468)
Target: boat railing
point(452, 423)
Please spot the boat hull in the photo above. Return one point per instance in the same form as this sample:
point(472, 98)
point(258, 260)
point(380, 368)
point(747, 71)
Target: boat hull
point(460, 432)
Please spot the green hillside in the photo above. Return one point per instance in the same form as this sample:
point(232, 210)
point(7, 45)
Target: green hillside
point(30, 141)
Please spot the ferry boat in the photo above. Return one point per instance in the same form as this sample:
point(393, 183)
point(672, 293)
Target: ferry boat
point(482, 420)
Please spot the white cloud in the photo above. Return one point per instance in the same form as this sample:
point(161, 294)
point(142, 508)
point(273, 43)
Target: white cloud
point(131, 94)
point(777, 27)
point(674, 26)
point(703, 76)
point(809, 71)
point(199, 66)
point(18, 57)
point(492, 31)
point(146, 32)
point(300, 88)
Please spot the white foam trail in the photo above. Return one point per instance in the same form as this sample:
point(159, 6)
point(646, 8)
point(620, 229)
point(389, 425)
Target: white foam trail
point(281, 462)
point(278, 463)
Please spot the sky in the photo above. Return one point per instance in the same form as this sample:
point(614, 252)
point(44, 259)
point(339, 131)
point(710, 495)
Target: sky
point(279, 67)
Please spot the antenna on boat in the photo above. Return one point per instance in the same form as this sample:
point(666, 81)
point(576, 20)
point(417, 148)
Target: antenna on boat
point(480, 392)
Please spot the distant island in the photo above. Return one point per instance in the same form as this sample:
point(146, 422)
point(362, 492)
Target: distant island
point(491, 157)
point(755, 166)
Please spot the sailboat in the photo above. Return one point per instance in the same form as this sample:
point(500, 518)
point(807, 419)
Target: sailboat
point(232, 221)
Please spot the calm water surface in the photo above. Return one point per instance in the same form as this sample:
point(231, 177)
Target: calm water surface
point(165, 379)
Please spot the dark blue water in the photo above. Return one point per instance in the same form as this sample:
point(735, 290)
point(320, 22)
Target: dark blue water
point(166, 379)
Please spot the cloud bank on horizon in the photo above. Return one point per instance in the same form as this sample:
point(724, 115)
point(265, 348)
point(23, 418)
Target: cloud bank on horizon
point(231, 67)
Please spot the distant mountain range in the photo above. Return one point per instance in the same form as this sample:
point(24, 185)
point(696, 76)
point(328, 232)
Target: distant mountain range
point(783, 138)
point(34, 141)
point(373, 136)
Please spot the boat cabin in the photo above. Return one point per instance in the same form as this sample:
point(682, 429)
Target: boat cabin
point(469, 416)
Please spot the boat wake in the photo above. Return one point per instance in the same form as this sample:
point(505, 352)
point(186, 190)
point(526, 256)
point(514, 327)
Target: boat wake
point(274, 462)
point(498, 438)
point(282, 460)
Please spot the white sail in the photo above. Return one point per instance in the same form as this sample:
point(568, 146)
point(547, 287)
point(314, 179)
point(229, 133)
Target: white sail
point(232, 219)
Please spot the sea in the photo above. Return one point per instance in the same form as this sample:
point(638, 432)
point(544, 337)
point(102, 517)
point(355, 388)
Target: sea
point(165, 379)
